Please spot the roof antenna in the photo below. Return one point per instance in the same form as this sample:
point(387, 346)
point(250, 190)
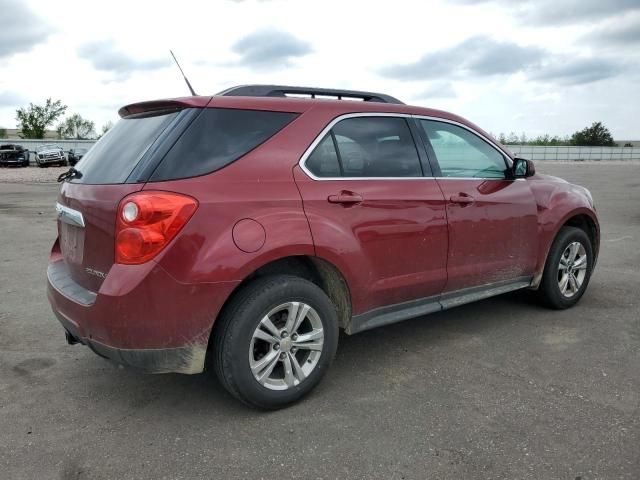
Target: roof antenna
point(183, 75)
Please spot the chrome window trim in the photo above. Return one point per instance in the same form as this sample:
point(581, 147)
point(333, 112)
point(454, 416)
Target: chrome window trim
point(325, 130)
point(69, 215)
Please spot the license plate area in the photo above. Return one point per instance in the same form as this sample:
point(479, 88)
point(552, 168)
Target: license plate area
point(72, 243)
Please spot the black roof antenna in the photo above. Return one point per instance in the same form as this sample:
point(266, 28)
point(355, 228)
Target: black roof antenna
point(183, 75)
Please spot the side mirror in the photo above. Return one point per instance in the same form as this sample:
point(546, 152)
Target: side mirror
point(523, 168)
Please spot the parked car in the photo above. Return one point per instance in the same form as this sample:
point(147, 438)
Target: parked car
point(50, 155)
point(238, 233)
point(12, 155)
point(76, 154)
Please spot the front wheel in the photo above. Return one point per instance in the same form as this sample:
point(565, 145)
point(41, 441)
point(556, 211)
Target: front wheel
point(567, 270)
point(274, 341)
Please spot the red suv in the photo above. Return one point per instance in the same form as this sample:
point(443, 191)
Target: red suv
point(240, 232)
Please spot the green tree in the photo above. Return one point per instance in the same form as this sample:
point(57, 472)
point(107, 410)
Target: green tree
point(3, 132)
point(597, 135)
point(77, 128)
point(34, 119)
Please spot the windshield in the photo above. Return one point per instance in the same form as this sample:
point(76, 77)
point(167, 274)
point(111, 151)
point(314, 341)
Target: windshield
point(48, 147)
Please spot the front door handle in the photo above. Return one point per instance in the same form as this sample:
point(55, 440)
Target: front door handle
point(462, 199)
point(345, 197)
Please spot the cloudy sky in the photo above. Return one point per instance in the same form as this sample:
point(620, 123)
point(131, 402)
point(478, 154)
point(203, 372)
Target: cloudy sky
point(538, 66)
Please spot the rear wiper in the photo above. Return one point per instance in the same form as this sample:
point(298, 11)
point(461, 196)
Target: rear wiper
point(71, 173)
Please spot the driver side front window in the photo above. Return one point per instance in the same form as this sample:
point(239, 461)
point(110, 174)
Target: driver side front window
point(461, 153)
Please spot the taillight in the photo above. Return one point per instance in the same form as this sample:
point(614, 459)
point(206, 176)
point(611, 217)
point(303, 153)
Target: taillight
point(147, 222)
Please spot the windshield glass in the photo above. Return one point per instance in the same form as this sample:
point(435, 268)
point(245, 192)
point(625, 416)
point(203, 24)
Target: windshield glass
point(48, 147)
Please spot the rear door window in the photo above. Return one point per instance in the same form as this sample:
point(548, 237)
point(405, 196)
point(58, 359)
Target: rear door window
point(373, 147)
point(218, 137)
point(116, 154)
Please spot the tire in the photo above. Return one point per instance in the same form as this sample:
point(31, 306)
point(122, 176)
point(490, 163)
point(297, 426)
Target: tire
point(236, 347)
point(550, 292)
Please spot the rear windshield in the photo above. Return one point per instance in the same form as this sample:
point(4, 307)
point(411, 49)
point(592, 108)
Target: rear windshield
point(216, 138)
point(116, 154)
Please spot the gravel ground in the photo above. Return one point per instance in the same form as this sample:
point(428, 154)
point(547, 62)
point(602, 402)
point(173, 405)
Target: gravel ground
point(31, 174)
point(501, 388)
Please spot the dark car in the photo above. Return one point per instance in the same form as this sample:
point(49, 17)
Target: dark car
point(239, 232)
point(76, 154)
point(12, 155)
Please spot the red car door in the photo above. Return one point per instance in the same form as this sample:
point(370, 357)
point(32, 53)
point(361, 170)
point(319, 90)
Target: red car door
point(492, 218)
point(373, 213)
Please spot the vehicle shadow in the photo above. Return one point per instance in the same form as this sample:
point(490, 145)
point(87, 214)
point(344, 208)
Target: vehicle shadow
point(203, 396)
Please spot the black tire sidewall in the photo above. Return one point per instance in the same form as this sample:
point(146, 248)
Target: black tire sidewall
point(261, 297)
point(549, 287)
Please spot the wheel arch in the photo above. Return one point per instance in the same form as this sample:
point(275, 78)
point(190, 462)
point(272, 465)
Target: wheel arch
point(321, 272)
point(581, 218)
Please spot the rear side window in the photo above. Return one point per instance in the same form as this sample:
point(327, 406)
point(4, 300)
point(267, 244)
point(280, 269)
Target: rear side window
point(376, 147)
point(218, 137)
point(116, 154)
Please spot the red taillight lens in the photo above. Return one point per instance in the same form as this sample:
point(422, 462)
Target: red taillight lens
point(147, 222)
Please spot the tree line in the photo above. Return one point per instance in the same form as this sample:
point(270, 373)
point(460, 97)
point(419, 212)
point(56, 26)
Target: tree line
point(34, 120)
point(596, 135)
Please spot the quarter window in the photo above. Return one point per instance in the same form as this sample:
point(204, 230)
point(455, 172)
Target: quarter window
point(323, 162)
point(376, 147)
point(461, 153)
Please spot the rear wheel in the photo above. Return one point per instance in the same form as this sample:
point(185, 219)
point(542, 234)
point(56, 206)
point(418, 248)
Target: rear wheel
point(275, 341)
point(567, 270)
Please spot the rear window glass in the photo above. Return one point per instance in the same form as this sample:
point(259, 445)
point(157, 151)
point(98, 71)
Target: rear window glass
point(116, 154)
point(218, 137)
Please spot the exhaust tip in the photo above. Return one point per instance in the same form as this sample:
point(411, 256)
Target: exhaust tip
point(71, 340)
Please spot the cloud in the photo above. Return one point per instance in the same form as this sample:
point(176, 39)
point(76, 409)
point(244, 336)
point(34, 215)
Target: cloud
point(104, 56)
point(436, 90)
point(269, 48)
point(578, 71)
point(21, 28)
point(621, 33)
point(11, 99)
point(479, 55)
point(554, 12)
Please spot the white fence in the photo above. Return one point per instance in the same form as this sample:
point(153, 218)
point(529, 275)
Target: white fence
point(575, 153)
point(526, 151)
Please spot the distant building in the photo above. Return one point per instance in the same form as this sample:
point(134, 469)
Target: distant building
point(14, 134)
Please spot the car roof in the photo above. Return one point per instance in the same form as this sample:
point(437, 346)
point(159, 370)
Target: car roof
point(330, 107)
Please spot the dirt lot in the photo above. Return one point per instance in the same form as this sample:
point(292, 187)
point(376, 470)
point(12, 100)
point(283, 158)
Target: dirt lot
point(498, 389)
point(31, 174)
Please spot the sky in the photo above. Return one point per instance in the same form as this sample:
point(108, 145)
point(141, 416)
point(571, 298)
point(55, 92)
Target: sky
point(532, 66)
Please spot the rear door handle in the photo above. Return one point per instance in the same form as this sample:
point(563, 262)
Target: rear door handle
point(462, 199)
point(345, 197)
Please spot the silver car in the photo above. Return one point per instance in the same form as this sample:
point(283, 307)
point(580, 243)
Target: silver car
point(50, 155)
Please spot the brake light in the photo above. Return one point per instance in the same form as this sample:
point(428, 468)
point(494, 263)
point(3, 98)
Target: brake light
point(147, 222)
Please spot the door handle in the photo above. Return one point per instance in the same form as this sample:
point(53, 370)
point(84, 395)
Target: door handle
point(462, 199)
point(345, 197)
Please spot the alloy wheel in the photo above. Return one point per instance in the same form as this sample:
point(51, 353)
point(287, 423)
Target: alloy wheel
point(286, 346)
point(572, 269)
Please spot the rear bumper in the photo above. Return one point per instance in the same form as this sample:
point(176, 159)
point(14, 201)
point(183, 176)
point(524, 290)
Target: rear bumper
point(188, 359)
point(141, 316)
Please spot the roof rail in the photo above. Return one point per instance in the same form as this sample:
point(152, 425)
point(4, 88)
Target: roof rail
point(283, 90)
